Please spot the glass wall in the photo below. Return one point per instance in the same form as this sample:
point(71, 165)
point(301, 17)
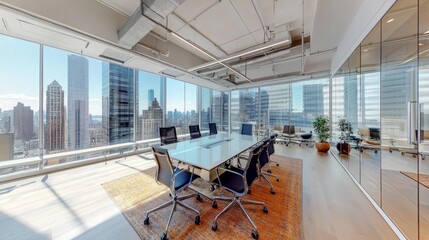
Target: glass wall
point(244, 108)
point(191, 106)
point(150, 105)
point(19, 99)
point(206, 106)
point(88, 103)
point(387, 75)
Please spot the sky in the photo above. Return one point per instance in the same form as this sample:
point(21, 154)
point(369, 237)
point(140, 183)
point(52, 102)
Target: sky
point(19, 78)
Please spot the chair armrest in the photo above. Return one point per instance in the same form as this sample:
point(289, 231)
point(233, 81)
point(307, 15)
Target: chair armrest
point(229, 170)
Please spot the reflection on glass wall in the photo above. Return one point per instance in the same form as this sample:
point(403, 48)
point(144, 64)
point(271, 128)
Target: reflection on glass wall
point(392, 93)
point(216, 109)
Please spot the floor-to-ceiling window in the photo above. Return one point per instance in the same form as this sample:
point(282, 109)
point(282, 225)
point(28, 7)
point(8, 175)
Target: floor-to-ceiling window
point(19, 99)
point(175, 105)
point(150, 105)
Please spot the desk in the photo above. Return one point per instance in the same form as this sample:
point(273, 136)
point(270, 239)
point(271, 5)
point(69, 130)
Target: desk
point(211, 151)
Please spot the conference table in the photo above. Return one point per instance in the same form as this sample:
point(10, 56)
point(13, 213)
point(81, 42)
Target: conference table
point(209, 152)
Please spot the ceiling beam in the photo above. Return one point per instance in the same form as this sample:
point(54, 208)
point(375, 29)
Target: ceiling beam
point(143, 20)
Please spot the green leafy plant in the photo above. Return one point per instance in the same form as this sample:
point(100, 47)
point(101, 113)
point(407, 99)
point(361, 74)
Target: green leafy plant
point(346, 130)
point(322, 129)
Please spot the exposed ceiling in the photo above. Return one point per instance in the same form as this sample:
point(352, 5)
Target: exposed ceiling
point(222, 44)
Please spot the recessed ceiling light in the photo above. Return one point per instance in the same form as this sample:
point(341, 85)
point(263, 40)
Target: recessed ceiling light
point(421, 44)
point(426, 32)
point(365, 50)
point(390, 20)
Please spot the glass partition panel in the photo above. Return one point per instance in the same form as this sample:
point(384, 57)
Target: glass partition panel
point(424, 119)
point(150, 105)
point(368, 130)
point(19, 101)
point(399, 115)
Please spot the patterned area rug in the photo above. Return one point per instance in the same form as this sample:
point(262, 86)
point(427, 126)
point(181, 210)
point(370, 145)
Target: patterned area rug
point(137, 193)
point(424, 178)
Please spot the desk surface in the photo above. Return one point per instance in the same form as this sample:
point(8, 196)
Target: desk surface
point(210, 151)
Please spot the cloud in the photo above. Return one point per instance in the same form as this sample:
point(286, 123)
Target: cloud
point(8, 101)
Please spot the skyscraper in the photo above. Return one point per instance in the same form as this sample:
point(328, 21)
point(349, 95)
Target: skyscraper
point(77, 103)
point(152, 120)
point(313, 98)
point(118, 103)
point(23, 122)
point(55, 129)
point(150, 96)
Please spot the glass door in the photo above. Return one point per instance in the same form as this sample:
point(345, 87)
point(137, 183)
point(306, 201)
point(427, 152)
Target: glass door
point(399, 116)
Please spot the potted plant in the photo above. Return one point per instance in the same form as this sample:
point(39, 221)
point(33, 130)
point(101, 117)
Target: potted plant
point(323, 131)
point(346, 130)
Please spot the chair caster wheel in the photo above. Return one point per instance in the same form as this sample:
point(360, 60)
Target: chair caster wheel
point(272, 191)
point(249, 191)
point(255, 234)
point(197, 220)
point(211, 188)
point(199, 198)
point(214, 226)
point(278, 164)
point(269, 171)
point(146, 221)
point(277, 180)
point(164, 236)
point(214, 204)
point(265, 209)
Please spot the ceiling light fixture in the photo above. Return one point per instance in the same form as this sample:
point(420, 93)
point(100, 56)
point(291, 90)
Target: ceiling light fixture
point(390, 20)
point(238, 55)
point(426, 32)
point(421, 44)
point(209, 55)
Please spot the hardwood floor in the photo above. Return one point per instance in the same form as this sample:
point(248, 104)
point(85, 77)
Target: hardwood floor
point(72, 203)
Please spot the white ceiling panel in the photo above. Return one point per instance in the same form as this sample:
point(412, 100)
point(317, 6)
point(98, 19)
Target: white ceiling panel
point(248, 14)
point(220, 23)
point(192, 8)
point(126, 7)
point(239, 44)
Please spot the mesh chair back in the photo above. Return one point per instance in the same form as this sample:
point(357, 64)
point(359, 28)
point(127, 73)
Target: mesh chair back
point(263, 157)
point(194, 131)
point(168, 135)
point(252, 165)
point(246, 129)
point(374, 133)
point(271, 149)
point(164, 170)
point(289, 129)
point(212, 128)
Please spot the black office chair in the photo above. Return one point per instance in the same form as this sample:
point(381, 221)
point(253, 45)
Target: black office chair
point(264, 159)
point(168, 135)
point(246, 129)
point(194, 131)
point(177, 180)
point(271, 151)
point(238, 184)
point(212, 128)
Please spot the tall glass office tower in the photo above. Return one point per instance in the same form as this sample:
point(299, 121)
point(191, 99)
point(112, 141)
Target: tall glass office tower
point(78, 116)
point(118, 103)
